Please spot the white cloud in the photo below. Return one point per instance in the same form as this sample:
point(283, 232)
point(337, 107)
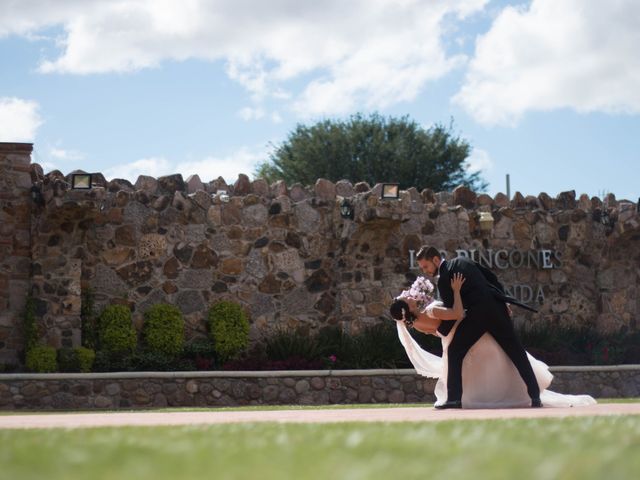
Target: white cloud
point(63, 154)
point(573, 54)
point(152, 166)
point(373, 53)
point(479, 160)
point(19, 119)
point(244, 160)
point(248, 113)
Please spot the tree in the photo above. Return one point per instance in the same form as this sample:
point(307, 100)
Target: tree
point(373, 149)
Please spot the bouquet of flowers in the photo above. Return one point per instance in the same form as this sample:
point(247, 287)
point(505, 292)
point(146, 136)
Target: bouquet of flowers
point(421, 291)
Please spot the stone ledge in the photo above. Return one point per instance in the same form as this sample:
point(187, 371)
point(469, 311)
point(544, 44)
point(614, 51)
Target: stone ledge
point(126, 390)
point(274, 373)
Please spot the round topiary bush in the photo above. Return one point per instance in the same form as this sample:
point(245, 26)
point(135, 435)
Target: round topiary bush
point(163, 330)
point(229, 329)
point(42, 359)
point(116, 333)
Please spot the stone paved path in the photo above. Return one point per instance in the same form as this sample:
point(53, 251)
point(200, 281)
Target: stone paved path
point(400, 414)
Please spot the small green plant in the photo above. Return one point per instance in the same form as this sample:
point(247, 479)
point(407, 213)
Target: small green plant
point(67, 360)
point(229, 329)
point(41, 359)
point(116, 333)
point(202, 352)
point(86, 357)
point(112, 362)
point(284, 344)
point(163, 330)
point(79, 359)
point(29, 324)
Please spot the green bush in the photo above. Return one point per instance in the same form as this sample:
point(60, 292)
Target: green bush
point(67, 360)
point(112, 362)
point(158, 362)
point(79, 359)
point(201, 351)
point(42, 359)
point(376, 346)
point(163, 330)
point(86, 357)
point(140, 362)
point(229, 329)
point(116, 332)
point(284, 344)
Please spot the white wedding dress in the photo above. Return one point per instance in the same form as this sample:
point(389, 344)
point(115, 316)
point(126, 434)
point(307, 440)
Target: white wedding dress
point(489, 378)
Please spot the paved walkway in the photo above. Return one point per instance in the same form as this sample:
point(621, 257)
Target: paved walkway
point(400, 414)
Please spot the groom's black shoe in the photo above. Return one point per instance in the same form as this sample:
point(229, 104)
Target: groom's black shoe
point(451, 404)
point(536, 403)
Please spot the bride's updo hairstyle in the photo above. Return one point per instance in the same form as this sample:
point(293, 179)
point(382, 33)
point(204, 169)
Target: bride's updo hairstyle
point(399, 310)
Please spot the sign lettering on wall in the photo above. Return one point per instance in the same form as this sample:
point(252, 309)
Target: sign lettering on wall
point(503, 259)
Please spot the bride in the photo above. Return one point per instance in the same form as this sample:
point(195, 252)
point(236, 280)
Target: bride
point(489, 378)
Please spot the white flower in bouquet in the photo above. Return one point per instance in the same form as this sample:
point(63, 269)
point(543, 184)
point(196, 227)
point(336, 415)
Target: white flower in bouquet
point(421, 291)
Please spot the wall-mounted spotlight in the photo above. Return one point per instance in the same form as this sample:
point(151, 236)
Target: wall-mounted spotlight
point(81, 181)
point(390, 191)
point(223, 195)
point(486, 221)
point(346, 209)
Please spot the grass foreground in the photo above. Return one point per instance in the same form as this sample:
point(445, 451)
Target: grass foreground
point(569, 448)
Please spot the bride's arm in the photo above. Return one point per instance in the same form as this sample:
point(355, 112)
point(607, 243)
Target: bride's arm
point(457, 312)
point(426, 324)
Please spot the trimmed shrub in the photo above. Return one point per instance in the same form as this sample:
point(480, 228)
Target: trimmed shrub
point(86, 357)
point(229, 329)
point(42, 359)
point(163, 330)
point(116, 332)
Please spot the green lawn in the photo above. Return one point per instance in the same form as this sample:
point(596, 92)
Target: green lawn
point(266, 407)
point(571, 448)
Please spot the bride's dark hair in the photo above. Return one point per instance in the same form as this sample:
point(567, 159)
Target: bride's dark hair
point(398, 307)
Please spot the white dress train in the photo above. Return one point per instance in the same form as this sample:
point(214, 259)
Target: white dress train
point(489, 378)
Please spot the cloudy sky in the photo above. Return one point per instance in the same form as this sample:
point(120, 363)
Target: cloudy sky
point(546, 91)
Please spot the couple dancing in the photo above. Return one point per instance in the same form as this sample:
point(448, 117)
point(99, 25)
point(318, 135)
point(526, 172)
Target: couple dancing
point(483, 364)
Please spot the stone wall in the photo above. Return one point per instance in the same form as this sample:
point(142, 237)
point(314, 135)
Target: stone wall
point(291, 259)
point(221, 389)
point(15, 243)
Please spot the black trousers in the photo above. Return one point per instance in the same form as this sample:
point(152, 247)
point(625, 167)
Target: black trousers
point(493, 318)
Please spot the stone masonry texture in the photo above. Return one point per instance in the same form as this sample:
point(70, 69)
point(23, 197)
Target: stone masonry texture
point(288, 256)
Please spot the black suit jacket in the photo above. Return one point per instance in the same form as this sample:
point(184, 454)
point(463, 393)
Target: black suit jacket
point(481, 286)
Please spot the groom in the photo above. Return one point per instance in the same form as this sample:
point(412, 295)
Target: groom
point(485, 302)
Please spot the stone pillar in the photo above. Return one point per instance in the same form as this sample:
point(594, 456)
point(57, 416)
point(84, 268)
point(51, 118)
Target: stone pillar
point(15, 244)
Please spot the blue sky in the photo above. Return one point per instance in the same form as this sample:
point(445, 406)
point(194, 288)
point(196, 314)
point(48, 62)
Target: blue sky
point(544, 91)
